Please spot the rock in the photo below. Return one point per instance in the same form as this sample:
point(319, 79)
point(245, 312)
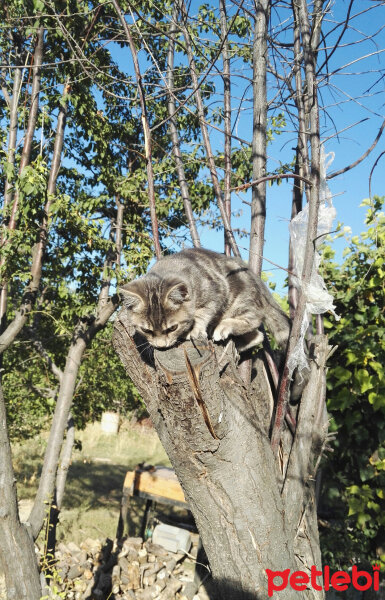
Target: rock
point(73, 548)
point(75, 571)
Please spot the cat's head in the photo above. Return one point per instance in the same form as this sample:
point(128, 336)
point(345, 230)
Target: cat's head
point(160, 308)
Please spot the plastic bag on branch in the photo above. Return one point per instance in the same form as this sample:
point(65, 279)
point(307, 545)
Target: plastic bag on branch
point(318, 299)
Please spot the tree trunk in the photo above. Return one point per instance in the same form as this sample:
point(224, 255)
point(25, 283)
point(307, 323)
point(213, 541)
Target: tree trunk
point(18, 564)
point(215, 432)
point(83, 334)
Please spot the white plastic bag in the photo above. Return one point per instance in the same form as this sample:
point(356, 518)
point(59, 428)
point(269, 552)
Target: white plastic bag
point(318, 299)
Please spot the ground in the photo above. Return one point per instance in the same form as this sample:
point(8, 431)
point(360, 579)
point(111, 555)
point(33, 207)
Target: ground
point(95, 479)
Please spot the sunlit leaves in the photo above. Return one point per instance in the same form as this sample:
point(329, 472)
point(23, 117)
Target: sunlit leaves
point(356, 391)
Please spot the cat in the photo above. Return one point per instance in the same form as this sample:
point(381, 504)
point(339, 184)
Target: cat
point(198, 293)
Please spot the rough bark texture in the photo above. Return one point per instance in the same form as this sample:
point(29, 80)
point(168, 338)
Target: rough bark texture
point(215, 432)
point(17, 554)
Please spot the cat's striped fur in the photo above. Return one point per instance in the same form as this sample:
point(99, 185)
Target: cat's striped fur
point(198, 293)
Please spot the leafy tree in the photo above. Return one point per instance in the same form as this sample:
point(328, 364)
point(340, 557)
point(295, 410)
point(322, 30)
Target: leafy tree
point(75, 220)
point(108, 110)
point(353, 501)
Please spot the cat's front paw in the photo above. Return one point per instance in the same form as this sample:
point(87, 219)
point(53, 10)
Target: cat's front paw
point(222, 332)
point(197, 333)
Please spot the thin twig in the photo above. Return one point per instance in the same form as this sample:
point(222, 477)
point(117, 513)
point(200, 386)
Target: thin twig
point(359, 160)
point(206, 139)
point(175, 137)
point(146, 131)
point(245, 186)
point(372, 171)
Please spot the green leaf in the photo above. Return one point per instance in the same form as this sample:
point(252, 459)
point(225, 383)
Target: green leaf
point(364, 380)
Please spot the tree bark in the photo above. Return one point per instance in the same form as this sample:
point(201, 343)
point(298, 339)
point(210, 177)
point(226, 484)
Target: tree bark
point(259, 144)
point(226, 115)
point(215, 432)
point(17, 554)
point(83, 335)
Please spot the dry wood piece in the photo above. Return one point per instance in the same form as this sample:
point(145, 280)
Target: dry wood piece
point(142, 556)
point(97, 569)
point(133, 574)
point(151, 592)
point(173, 586)
point(115, 579)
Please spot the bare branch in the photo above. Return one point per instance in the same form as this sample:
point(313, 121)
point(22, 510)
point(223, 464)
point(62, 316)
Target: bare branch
point(359, 160)
point(206, 139)
point(119, 233)
point(245, 186)
point(258, 202)
point(146, 132)
point(65, 461)
point(372, 171)
point(337, 44)
point(175, 137)
point(226, 116)
point(44, 354)
point(296, 207)
point(311, 83)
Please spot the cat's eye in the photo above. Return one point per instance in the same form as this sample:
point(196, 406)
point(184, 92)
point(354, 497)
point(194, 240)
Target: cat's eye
point(171, 329)
point(149, 331)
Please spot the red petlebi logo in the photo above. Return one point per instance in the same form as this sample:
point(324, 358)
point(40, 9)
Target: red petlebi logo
point(339, 581)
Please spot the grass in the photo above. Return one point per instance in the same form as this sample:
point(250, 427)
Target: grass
point(95, 479)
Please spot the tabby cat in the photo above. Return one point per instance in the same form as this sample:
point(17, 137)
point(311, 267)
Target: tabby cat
point(198, 294)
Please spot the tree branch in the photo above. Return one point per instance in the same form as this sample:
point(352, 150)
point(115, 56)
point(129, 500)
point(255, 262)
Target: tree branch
point(372, 171)
point(206, 139)
point(174, 134)
point(44, 354)
point(146, 132)
point(300, 7)
point(30, 294)
point(245, 186)
point(359, 160)
point(17, 556)
point(226, 115)
point(259, 143)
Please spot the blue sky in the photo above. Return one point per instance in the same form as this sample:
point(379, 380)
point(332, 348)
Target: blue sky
point(351, 188)
point(346, 102)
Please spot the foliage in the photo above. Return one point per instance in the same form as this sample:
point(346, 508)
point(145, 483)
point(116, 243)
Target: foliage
point(354, 475)
point(102, 162)
point(32, 389)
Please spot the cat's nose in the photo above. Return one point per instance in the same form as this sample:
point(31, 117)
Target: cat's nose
point(160, 343)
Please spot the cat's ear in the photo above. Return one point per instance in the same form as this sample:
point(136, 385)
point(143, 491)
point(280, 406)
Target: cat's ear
point(177, 294)
point(132, 294)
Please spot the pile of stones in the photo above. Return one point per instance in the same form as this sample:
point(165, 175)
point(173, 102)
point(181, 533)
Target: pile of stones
point(127, 570)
